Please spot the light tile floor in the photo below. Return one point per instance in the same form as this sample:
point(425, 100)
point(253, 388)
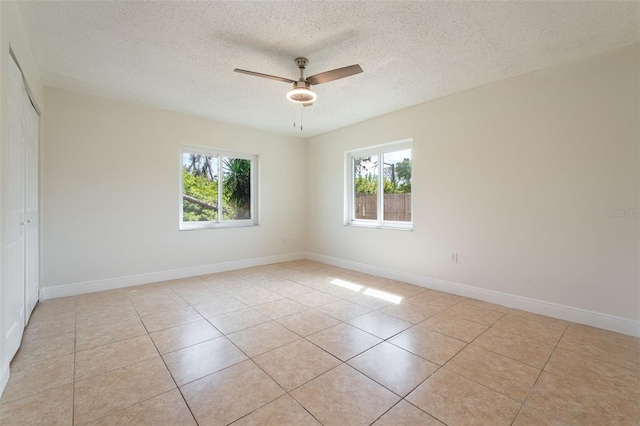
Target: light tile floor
point(303, 343)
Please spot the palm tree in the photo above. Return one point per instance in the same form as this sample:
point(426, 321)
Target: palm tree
point(237, 185)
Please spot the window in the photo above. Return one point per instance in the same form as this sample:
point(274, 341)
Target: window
point(218, 189)
point(378, 186)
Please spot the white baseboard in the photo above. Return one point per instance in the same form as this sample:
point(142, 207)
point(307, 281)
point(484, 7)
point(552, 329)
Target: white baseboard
point(132, 280)
point(4, 375)
point(568, 313)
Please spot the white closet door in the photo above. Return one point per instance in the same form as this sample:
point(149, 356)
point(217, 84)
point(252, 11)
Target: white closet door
point(31, 207)
point(15, 221)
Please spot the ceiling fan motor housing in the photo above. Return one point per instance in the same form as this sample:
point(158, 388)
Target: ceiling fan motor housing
point(301, 93)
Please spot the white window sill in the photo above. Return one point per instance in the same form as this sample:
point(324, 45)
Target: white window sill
point(380, 225)
point(194, 226)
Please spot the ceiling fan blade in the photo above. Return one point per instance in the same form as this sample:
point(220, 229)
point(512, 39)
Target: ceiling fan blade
point(307, 104)
point(327, 76)
point(258, 74)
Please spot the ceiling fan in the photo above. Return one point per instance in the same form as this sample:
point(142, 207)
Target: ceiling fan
point(301, 92)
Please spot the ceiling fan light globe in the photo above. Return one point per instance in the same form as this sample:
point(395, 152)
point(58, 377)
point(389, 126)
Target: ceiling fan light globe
point(301, 95)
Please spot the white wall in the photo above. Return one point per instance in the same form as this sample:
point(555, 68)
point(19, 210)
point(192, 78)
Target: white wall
point(12, 37)
point(111, 176)
point(516, 177)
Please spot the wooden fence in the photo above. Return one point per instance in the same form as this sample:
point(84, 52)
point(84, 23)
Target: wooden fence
point(396, 206)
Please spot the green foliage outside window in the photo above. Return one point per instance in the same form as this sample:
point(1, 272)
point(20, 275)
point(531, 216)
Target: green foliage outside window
point(200, 188)
point(237, 188)
point(397, 179)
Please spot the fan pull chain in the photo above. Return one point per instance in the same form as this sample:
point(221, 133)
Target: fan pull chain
point(295, 108)
point(295, 117)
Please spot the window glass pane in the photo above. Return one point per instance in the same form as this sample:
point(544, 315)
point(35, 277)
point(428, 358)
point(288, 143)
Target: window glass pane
point(236, 189)
point(365, 170)
point(199, 188)
point(397, 186)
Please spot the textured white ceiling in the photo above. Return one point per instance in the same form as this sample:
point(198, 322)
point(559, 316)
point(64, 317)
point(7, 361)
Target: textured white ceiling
point(181, 55)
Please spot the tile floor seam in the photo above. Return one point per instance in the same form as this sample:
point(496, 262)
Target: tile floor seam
point(222, 369)
point(486, 387)
point(348, 359)
point(386, 387)
point(189, 346)
point(449, 335)
point(538, 378)
point(120, 410)
point(175, 383)
point(404, 398)
point(439, 332)
point(418, 355)
point(481, 384)
point(376, 381)
point(503, 314)
point(401, 348)
point(12, 401)
point(473, 340)
point(443, 366)
point(119, 367)
point(368, 332)
point(488, 309)
point(446, 335)
point(304, 408)
point(206, 375)
point(108, 343)
point(191, 381)
point(321, 348)
point(326, 372)
point(432, 415)
point(409, 402)
point(507, 356)
point(390, 408)
point(606, 361)
point(286, 392)
point(193, 416)
point(310, 309)
point(308, 341)
point(332, 368)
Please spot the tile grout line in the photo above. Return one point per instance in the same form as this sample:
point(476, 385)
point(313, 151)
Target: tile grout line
point(540, 375)
point(303, 338)
point(467, 344)
point(222, 369)
point(159, 356)
point(443, 366)
point(606, 361)
point(507, 332)
point(360, 372)
point(275, 381)
point(165, 364)
point(377, 344)
point(258, 366)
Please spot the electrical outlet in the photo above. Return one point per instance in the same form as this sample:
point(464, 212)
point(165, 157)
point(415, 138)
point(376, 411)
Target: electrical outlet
point(453, 257)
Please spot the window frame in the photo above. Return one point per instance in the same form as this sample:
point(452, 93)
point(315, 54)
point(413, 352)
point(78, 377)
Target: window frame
point(349, 198)
point(220, 223)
